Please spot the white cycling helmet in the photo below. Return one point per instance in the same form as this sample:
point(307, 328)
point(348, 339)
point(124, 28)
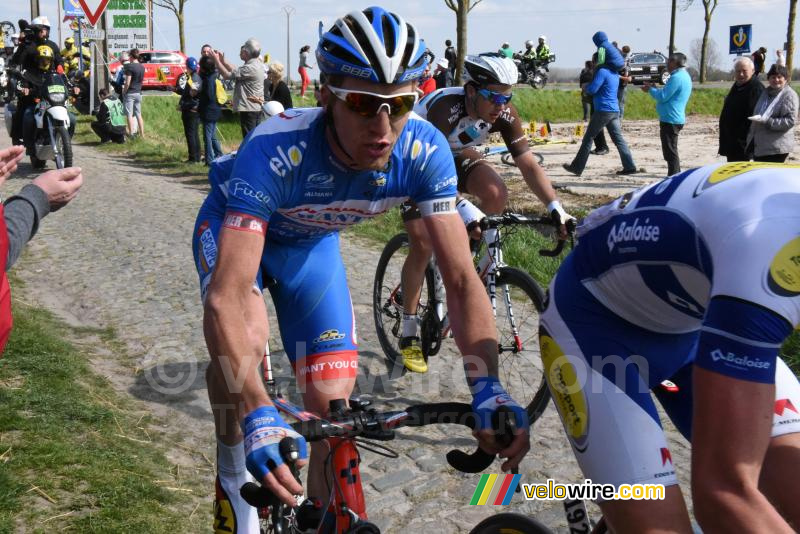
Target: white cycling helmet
point(272, 108)
point(41, 21)
point(490, 69)
point(528, 44)
point(543, 38)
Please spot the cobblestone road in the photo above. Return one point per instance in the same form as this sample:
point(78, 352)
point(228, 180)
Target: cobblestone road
point(120, 256)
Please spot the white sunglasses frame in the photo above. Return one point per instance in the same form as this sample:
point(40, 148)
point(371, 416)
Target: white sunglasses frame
point(342, 93)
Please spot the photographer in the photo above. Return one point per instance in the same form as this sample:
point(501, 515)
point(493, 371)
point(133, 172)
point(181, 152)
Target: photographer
point(248, 90)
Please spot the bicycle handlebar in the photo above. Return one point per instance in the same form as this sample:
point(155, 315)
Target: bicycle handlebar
point(513, 219)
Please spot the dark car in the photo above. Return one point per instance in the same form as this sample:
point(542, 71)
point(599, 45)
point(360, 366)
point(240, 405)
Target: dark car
point(648, 67)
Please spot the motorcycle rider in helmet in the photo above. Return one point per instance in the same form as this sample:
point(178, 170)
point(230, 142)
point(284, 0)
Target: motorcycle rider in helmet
point(530, 51)
point(28, 60)
point(33, 81)
point(542, 51)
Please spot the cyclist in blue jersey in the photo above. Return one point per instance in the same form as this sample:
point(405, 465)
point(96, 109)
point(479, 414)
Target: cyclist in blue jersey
point(274, 212)
point(695, 277)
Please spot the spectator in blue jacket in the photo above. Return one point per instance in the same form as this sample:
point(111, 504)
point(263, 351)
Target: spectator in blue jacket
point(671, 107)
point(603, 89)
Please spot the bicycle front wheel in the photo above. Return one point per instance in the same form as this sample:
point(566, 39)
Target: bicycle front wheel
point(519, 302)
point(509, 523)
point(387, 300)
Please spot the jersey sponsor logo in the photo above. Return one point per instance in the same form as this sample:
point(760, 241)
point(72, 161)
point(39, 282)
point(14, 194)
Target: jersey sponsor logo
point(378, 181)
point(632, 233)
point(287, 159)
point(783, 277)
point(208, 247)
point(325, 367)
point(567, 391)
point(321, 180)
point(240, 188)
point(329, 335)
point(782, 405)
point(414, 148)
point(739, 361)
point(224, 518)
point(666, 456)
point(241, 221)
point(732, 170)
point(450, 182)
point(442, 206)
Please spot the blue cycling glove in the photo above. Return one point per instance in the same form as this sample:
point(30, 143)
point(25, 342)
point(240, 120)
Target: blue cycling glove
point(487, 396)
point(263, 430)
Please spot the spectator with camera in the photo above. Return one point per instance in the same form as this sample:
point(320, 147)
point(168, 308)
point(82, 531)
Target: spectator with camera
point(248, 88)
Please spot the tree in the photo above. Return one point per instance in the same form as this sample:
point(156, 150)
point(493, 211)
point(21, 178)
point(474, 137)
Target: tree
point(177, 9)
point(712, 58)
point(461, 8)
point(708, 7)
point(790, 36)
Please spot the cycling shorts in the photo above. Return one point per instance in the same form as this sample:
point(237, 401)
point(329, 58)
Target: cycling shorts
point(466, 161)
point(600, 369)
point(308, 286)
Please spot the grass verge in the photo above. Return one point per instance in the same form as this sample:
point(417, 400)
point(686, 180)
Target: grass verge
point(73, 454)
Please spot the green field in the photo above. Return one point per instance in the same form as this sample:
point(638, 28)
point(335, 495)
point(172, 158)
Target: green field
point(74, 455)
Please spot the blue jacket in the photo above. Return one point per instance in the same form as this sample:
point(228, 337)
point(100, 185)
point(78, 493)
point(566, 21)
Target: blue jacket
point(612, 58)
point(604, 90)
point(671, 100)
point(210, 110)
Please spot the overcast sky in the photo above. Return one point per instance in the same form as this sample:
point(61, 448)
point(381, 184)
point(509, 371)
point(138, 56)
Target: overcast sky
point(568, 24)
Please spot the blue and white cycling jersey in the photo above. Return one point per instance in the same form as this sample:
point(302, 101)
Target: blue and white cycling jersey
point(286, 176)
point(715, 249)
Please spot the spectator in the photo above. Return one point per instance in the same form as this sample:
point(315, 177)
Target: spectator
point(451, 55)
point(442, 74)
point(189, 105)
point(606, 115)
point(779, 59)
point(584, 80)
point(624, 79)
point(119, 77)
point(506, 50)
point(279, 90)
point(206, 50)
point(738, 106)
point(671, 107)
point(21, 216)
point(248, 89)
point(111, 119)
point(132, 92)
point(208, 107)
point(302, 70)
point(759, 58)
point(772, 126)
point(426, 83)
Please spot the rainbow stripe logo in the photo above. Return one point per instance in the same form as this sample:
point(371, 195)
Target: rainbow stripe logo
point(495, 489)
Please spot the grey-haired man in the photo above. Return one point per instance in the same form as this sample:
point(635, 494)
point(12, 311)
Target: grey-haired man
point(249, 82)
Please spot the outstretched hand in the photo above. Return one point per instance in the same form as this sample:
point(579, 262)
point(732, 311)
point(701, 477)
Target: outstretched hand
point(60, 185)
point(9, 157)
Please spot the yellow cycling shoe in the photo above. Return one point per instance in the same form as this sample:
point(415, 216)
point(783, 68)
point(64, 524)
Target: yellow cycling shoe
point(413, 359)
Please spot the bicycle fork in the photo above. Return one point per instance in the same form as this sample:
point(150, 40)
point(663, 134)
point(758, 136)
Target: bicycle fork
point(490, 264)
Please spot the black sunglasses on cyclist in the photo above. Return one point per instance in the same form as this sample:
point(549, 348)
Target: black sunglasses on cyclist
point(494, 97)
point(369, 104)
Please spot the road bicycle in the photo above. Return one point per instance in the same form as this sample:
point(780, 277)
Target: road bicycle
point(350, 423)
point(517, 300)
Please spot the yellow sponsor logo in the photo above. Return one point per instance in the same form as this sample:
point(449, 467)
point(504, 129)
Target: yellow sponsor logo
point(732, 170)
point(329, 335)
point(784, 271)
point(224, 519)
point(567, 391)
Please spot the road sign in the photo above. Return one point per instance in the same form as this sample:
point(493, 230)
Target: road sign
point(739, 42)
point(94, 34)
point(72, 8)
point(93, 9)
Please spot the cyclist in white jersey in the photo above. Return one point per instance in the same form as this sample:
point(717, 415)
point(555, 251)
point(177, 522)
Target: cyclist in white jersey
point(698, 274)
point(467, 116)
point(274, 213)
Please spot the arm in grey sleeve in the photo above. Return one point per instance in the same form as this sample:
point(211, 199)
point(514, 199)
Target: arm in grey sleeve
point(22, 214)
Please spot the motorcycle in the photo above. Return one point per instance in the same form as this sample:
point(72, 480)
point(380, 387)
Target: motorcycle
point(533, 71)
point(52, 140)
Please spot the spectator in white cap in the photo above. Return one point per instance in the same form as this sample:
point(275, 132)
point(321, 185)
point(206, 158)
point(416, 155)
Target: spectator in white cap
point(442, 74)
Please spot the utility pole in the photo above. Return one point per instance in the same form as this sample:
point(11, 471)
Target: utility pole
point(672, 28)
point(288, 10)
point(34, 9)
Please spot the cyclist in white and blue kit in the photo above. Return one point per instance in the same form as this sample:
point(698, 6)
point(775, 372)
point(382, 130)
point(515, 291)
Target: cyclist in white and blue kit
point(698, 275)
point(274, 212)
